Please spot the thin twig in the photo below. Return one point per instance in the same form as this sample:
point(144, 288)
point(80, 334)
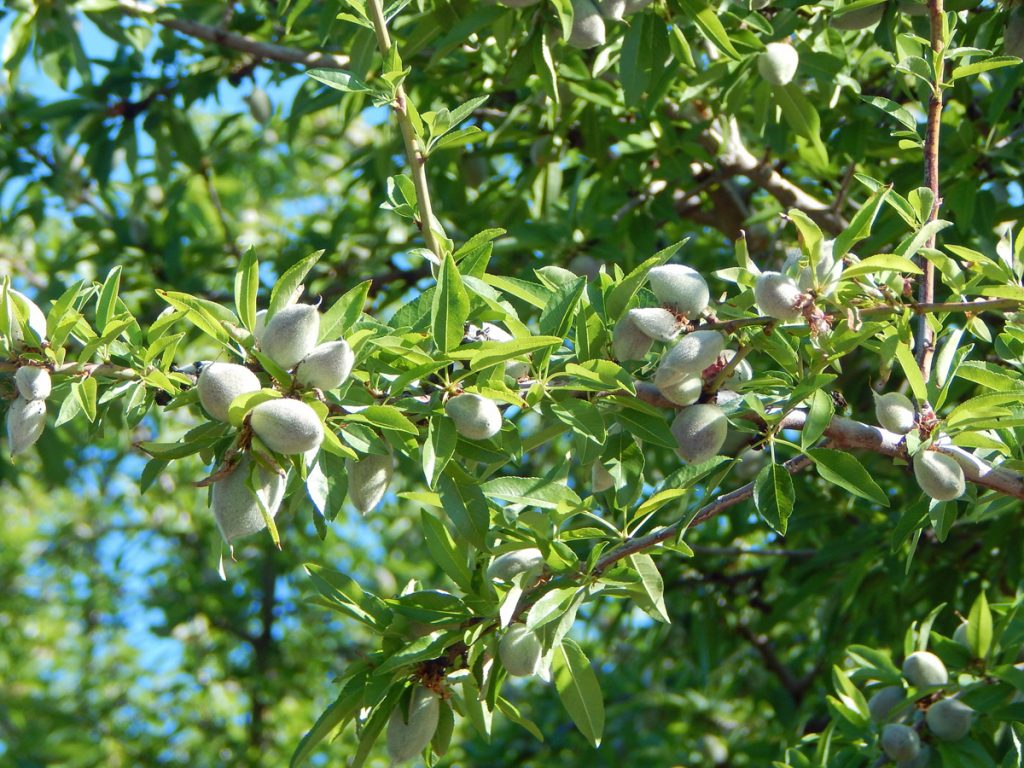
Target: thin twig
point(413, 146)
point(235, 41)
point(926, 291)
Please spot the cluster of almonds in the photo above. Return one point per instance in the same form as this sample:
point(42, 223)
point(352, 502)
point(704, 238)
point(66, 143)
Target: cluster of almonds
point(410, 730)
point(286, 425)
point(27, 415)
point(589, 17)
point(948, 719)
point(940, 476)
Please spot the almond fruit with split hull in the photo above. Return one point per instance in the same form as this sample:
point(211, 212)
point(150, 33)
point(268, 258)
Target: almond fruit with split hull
point(700, 430)
point(778, 63)
point(939, 476)
point(520, 650)
point(235, 506)
point(680, 288)
point(475, 417)
point(220, 383)
point(25, 422)
point(327, 366)
point(33, 383)
point(406, 738)
point(287, 426)
point(291, 334)
point(368, 480)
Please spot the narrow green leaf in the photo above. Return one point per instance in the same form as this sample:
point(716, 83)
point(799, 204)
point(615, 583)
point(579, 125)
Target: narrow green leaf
point(579, 690)
point(912, 372)
point(774, 496)
point(860, 226)
point(819, 416)
point(653, 586)
point(107, 301)
point(979, 627)
point(247, 284)
point(450, 308)
point(341, 710)
point(290, 282)
point(444, 550)
point(843, 469)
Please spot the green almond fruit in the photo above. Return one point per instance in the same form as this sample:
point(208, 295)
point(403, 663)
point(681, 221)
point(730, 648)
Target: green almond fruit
point(520, 651)
point(287, 426)
point(290, 334)
point(368, 480)
point(778, 63)
point(949, 719)
point(681, 288)
point(475, 417)
point(587, 25)
point(327, 366)
point(409, 734)
point(220, 383)
point(25, 422)
point(700, 431)
point(895, 412)
point(237, 508)
point(777, 296)
point(628, 341)
point(923, 669)
point(33, 382)
point(510, 564)
point(900, 742)
point(939, 476)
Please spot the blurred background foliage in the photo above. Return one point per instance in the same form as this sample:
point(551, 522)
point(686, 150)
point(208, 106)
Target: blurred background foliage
point(126, 142)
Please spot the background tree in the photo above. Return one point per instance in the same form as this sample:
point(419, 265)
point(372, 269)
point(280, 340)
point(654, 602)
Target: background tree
point(421, 171)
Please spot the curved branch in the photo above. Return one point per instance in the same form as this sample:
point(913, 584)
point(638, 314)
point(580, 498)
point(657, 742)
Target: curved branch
point(235, 41)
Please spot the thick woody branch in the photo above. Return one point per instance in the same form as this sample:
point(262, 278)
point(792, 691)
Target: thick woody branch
point(235, 41)
point(735, 159)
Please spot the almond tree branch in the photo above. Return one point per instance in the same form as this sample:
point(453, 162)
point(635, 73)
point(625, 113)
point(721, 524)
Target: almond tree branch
point(926, 291)
point(235, 41)
point(413, 146)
